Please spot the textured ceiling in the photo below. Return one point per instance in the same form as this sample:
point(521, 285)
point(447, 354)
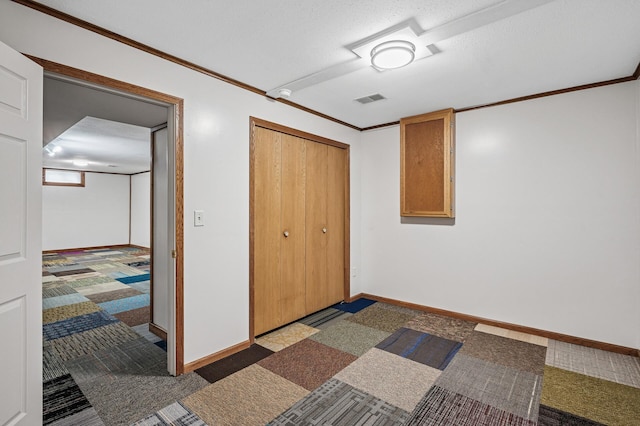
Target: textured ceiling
point(269, 43)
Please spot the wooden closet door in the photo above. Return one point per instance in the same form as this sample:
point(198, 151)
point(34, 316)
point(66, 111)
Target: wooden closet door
point(292, 290)
point(316, 222)
point(267, 198)
point(336, 205)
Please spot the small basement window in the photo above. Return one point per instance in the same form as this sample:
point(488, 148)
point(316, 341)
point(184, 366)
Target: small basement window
point(57, 177)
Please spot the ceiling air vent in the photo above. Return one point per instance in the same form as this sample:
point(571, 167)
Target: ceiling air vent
point(370, 98)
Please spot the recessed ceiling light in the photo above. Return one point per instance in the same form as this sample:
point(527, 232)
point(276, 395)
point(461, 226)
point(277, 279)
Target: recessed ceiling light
point(80, 163)
point(393, 54)
point(57, 148)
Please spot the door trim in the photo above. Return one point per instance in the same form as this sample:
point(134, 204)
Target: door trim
point(176, 106)
point(257, 122)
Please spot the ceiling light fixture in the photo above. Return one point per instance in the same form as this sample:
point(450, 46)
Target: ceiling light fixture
point(80, 163)
point(393, 54)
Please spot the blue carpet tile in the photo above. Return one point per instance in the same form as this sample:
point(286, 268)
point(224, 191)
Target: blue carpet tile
point(67, 299)
point(134, 279)
point(67, 327)
point(162, 344)
point(424, 348)
point(142, 286)
point(354, 307)
point(126, 304)
point(62, 398)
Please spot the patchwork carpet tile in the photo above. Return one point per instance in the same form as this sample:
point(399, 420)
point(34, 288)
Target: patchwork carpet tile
point(63, 312)
point(549, 416)
point(142, 286)
point(135, 316)
point(143, 330)
point(227, 366)
point(307, 363)
point(62, 398)
point(108, 296)
point(508, 352)
point(441, 326)
point(442, 407)
point(350, 337)
point(124, 399)
point(78, 284)
point(175, 414)
point(135, 278)
point(355, 306)
point(60, 290)
point(378, 317)
point(285, 336)
point(136, 357)
point(510, 334)
point(514, 391)
point(79, 270)
point(592, 362)
point(252, 396)
point(338, 404)
point(398, 308)
point(397, 380)
point(90, 341)
point(67, 299)
point(325, 318)
point(69, 326)
point(87, 417)
point(589, 397)
point(102, 287)
point(52, 365)
point(424, 348)
point(50, 279)
point(126, 304)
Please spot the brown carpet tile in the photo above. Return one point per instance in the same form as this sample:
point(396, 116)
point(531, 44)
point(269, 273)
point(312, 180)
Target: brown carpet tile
point(350, 337)
point(441, 326)
point(108, 296)
point(307, 363)
point(67, 311)
point(135, 316)
point(377, 317)
point(252, 396)
point(508, 352)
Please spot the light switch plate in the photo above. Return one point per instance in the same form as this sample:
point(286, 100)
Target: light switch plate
point(198, 218)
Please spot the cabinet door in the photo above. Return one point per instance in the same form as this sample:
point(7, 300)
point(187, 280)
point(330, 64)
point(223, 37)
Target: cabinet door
point(267, 199)
point(335, 235)
point(317, 295)
point(292, 235)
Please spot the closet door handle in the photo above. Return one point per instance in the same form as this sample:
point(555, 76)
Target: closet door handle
point(324, 230)
point(286, 234)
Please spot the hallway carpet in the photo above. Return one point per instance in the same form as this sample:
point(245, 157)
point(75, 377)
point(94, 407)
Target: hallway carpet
point(361, 363)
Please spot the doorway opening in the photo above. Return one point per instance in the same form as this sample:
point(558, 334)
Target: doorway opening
point(165, 239)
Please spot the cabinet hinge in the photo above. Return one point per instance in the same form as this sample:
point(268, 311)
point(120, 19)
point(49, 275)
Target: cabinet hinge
point(174, 254)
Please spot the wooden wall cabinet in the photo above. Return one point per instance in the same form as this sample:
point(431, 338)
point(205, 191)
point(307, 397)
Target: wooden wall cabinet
point(427, 165)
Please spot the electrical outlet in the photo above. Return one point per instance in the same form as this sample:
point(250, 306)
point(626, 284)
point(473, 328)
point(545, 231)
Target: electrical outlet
point(198, 218)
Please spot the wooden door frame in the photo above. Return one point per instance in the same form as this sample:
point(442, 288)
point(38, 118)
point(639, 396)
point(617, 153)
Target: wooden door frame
point(257, 122)
point(177, 106)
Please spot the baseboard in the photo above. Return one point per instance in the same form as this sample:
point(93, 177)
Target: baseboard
point(158, 331)
point(93, 248)
point(515, 327)
point(139, 246)
point(216, 356)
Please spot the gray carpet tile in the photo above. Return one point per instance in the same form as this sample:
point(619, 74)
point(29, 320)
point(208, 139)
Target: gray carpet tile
point(549, 416)
point(350, 337)
point(505, 388)
point(143, 330)
point(52, 364)
point(125, 399)
point(61, 397)
point(87, 417)
point(135, 357)
point(59, 290)
point(325, 318)
point(336, 403)
point(618, 368)
point(442, 407)
point(175, 414)
point(90, 341)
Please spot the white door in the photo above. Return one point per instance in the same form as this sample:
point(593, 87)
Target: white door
point(20, 239)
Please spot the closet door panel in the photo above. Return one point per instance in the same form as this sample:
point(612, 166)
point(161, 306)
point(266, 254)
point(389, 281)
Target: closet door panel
point(293, 224)
point(316, 221)
point(267, 267)
point(336, 204)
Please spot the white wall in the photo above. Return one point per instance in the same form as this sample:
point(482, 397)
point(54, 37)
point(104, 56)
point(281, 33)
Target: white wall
point(548, 218)
point(141, 209)
point(216, 165)
point(90, 216)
